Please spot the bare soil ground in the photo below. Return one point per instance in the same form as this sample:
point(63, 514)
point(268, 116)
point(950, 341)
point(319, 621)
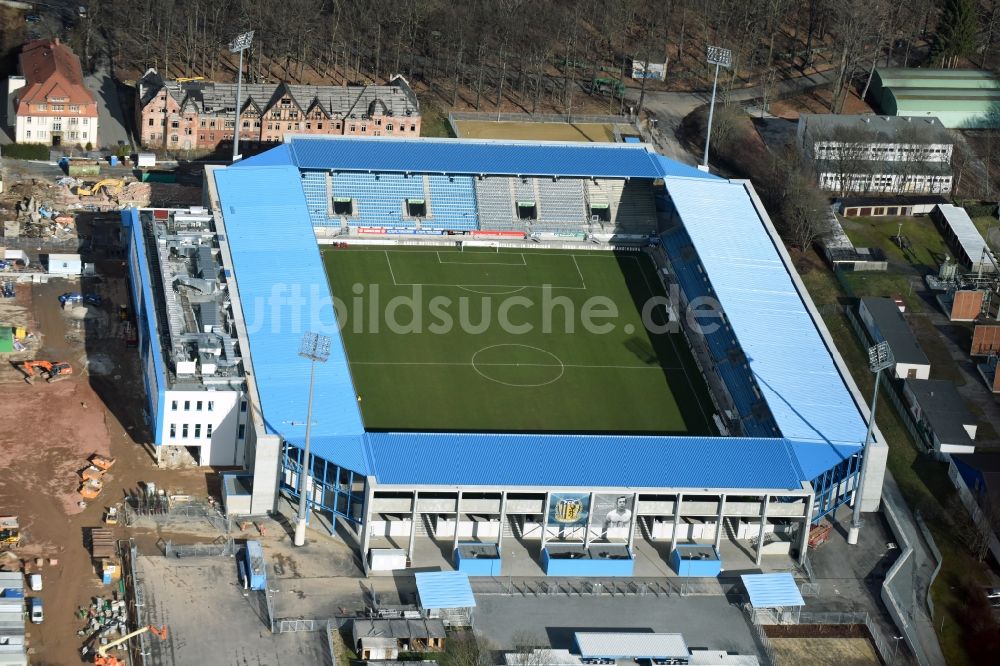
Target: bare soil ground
point(48, 430)
point(816, 101)
point(481, 129)
point(824, 651)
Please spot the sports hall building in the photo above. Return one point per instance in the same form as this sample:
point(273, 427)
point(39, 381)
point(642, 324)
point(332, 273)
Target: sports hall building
point(790, 419)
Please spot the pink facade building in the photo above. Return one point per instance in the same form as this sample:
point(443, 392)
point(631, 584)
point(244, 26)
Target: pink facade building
point(199, 115)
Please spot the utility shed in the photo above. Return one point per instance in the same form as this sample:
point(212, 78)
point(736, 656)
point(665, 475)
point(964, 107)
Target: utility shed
point(964, 238)
point(65, 264)
point(959, 98)
point(630, 645)
point(941, 413)
point(883, 321)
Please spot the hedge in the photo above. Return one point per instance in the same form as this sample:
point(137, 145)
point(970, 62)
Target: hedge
point(27, 151)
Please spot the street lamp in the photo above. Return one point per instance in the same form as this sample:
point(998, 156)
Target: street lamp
point(239, 45)
point(895, 646)
point(719, 57)
point(316, 348)
point(879, 358)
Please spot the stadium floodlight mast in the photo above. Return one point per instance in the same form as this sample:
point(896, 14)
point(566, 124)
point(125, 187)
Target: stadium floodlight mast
point(239, 45)
point(316, 348)
point(720, 57)
point(879, 358)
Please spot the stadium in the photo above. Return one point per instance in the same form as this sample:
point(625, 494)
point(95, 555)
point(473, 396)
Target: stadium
point(542, 356)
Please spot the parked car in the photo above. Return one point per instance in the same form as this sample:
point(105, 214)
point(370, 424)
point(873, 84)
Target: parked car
point(77, 297)
point(35, 582)
point(993, 596)
point(37, 612)
point(33, 18)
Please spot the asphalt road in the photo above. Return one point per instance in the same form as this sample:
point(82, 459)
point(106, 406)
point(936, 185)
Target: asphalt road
point(113, 124)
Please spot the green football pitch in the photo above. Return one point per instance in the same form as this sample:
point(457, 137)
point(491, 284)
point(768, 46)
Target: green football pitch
point(513, 341)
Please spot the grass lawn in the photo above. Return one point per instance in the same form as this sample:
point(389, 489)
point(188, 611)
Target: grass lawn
point(927, 246)
point(434, 121)
point(500, 341)
point(985, 225)
point(923, 481)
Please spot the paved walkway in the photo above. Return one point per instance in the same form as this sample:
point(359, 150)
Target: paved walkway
point(910, 585)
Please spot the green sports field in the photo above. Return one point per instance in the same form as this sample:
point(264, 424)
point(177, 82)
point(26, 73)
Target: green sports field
point(518, 341)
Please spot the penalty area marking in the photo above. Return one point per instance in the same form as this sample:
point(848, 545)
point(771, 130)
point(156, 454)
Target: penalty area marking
point(472, 288)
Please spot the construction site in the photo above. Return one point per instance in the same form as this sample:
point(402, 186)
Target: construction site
point(68, 377)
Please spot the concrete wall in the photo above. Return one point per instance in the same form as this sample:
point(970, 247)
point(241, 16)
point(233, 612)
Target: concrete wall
point(192, 413)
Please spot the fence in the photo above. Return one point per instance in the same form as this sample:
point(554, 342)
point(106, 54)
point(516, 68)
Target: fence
point(535, 118)
point(293, 625)
point(760, 635)
point(968, 500)
point(331, 627)
point(160, 509)
point(137, 649)
point(226, 548)
point(579, 587)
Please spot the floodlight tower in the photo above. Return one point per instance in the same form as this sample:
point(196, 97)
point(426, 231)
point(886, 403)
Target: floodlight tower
point(720, 57)
point(879, 358)
point(316, 348)
point(239, 45)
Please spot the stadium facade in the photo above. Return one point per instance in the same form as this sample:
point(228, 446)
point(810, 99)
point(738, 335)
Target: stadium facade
point(792, 419)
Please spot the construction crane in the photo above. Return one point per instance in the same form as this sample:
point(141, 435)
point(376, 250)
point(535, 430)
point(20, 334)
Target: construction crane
point(108, 185)
point(53, 371)
point(102, 658)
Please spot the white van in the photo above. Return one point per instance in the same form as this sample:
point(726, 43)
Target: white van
point(35, 582)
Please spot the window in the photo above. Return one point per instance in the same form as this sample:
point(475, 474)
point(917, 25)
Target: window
point(198, 405)
point(246, 124)
point(187, 405)
point(187, 130)
point(336, 126)
point(378, 121)
point(364, 128)
point(28, 120)
point(173, 430)
point(413, 128)
point(211, 405)
point(42, 107)
point(57, 107)
point(309, 126)
point(353, 128)
point(201, 137)
point(57, 127)
point(27, 133)
point(175, 124)
point(243, 407)
point(388, 127)
point(289, 125)
point(208, 431)
point(173, 405)
point(202, 123)
point(184, 431)
point(319, 125)
point(212, 124)
point(174, 138)
point(241, 431)
point(74, 108)
point(197, 431)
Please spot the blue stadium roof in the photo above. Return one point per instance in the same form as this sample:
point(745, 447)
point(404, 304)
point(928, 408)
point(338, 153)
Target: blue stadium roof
point(807, 395)
point(284, 292)
point(452, 459)
point(514, 158)
point(772, 590)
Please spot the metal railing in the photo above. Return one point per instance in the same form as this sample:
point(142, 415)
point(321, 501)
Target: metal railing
point(761, 638)
point(577, 587)
point(226, 548)
point(537, 117)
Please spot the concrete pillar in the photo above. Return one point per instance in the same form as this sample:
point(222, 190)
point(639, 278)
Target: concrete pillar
point(414, 517)
point(806, 525)
point(545, 521)
point(458, 519)
point(677, 521)
point(635, 520)
point(586, 534)
point(719, 528)
point(503, 522)
point(760, 536)
point(366, 529)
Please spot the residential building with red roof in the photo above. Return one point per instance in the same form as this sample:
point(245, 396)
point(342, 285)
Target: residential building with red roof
point(52, 105)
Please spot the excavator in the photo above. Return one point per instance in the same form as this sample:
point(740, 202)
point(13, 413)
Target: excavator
point(52, 371)
point(102, 658)
point(108, 185)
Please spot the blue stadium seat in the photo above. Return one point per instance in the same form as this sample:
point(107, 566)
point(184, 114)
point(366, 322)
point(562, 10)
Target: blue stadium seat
point(452, 203)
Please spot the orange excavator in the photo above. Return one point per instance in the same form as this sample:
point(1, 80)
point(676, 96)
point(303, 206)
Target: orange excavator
point(103, 659)
point(52, 371)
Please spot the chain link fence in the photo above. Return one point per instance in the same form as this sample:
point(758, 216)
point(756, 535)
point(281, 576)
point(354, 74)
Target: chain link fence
point(226, 548)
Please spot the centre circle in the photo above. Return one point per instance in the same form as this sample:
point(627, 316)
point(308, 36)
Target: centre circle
point(519, 366)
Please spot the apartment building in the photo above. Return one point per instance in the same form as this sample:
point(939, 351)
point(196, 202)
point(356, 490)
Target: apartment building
point(196, 114)
point(877, 154)
point(51, 103)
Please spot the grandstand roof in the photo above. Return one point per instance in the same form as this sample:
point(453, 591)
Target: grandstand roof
point(476, 157)
point(807, 395)
point(457, 459)
point(282, 285)
point(267, 220)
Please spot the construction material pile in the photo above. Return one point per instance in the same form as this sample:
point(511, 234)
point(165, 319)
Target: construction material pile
point(105, 619)
point(36, 218)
